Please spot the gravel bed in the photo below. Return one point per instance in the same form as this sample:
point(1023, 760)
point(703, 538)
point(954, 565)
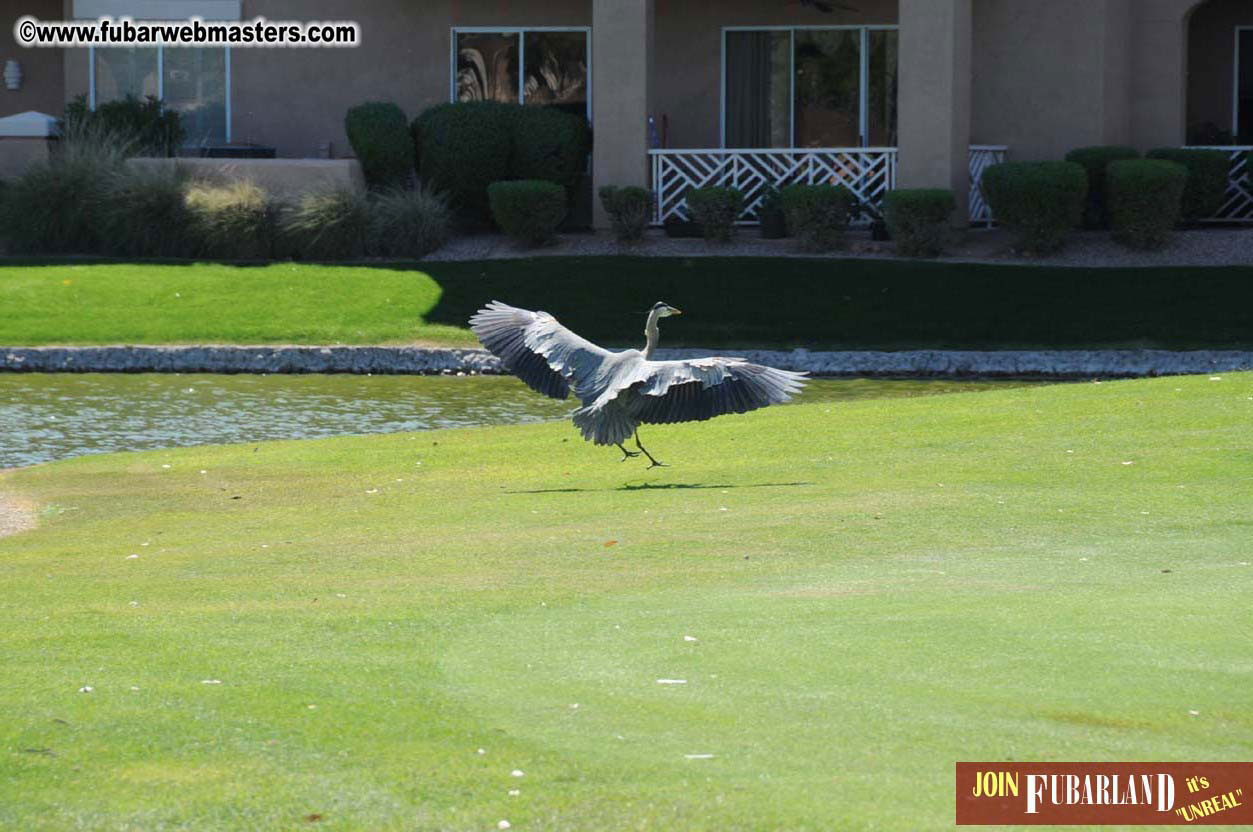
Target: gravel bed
point(431, 360)
point(1213, 246)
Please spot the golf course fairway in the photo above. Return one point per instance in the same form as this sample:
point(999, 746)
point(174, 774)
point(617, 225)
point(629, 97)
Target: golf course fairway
point(803, 623)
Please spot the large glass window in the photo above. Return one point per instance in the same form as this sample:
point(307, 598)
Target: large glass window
point(831, 87)
point(537, 67)
point(192, 81)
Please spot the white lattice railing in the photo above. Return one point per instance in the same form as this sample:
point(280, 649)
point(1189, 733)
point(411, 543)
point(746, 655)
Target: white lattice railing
point(869, 172)
point(981, 157)
point(1238, 203)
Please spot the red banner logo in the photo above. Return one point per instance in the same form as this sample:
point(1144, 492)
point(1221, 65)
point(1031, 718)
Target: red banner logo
point(1105, 793)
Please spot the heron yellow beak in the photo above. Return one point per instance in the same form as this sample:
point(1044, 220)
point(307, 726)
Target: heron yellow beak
point(676, 311)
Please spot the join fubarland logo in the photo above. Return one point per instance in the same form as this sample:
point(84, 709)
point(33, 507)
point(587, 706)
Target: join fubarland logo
point(1104, 793)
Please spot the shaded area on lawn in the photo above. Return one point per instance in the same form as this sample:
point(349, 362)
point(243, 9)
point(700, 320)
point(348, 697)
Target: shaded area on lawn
point(730, 302)
point(864, 304)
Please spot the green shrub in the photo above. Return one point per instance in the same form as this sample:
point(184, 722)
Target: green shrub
point(379, 134)
point(629, 209)
point(326, 225)
point(147, 214)
point(147, 126)
point(59, 205)
point(234, 221)
point(1094, 161)
point(463, 148)
point(716, 209)
point(1145, 200)
point(918, 219)
point(1207, 179)
point(549, 144)
point(1040, 201)
point(817, 215)
point(408, 223)
point(528, 210)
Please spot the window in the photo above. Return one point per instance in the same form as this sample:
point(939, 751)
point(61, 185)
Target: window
point(809, 87)
point(196, 82)
point(546, 67)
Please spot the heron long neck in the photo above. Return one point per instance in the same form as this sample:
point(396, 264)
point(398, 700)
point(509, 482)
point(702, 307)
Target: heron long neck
point(651, 333)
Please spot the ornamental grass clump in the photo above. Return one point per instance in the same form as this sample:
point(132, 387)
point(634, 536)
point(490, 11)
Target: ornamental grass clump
point(817, 215)
point(716, 210)
point(1041, 202)
point(1145, 201)
point(628, 209)
point(147, 212)
point(60, 205)
point(326, 225)
point(918, 219)
point(233, 221)
point(1095, 160)
point(408, 223)
point(1207, 179)
point(528, 210)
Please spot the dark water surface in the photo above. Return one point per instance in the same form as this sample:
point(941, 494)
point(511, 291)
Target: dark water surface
point(54, 416)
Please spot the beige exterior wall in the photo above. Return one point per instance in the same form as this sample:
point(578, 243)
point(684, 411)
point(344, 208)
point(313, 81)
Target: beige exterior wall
point(934, 98)
point(295, 99)
point(43, 87)
point(1049, 77)
point(1044, 76)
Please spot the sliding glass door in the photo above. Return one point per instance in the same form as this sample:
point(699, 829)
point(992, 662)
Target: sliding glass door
point(813, 87)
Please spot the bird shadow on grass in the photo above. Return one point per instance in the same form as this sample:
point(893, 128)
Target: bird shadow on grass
point(661, 486)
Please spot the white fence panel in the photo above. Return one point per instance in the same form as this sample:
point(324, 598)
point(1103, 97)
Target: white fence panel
point(869, 172)
point(982, 156)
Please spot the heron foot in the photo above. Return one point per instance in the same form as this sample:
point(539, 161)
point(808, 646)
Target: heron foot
point(627, 454)
point(644, 451)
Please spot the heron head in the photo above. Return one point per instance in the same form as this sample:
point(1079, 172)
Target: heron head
point(664, 310)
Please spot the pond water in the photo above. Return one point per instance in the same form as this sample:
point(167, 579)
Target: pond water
point(54, 416)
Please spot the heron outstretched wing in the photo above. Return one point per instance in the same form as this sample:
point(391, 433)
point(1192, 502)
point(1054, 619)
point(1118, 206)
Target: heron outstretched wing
point(702, 388)
point(537, 349)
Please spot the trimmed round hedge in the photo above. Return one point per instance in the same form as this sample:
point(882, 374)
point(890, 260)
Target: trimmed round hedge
point(1207, 178)
point(464, 147)
point(716, 209)
point(1095, 160)
point(1145, 200)
point(628, 209)
point(379, 134)
point(1040, 201)
point(918, 219)
point(817, 215)
point(528, 210)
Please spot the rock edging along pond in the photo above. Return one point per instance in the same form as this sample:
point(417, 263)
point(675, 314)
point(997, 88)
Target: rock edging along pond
point(436, 360)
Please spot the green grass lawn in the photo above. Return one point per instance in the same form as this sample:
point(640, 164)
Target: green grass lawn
point(729, 301)
point(875, 590)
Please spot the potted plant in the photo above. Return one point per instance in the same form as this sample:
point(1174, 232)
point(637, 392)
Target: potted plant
point(770, 213)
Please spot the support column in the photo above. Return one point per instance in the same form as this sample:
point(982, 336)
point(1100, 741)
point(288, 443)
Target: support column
point(934, 98)
point(622, 45)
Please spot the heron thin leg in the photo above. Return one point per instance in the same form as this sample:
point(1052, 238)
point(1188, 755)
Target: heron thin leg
point(643, 450)
point(625, 453)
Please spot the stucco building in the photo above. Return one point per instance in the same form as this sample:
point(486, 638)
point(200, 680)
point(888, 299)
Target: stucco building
point(904, 87)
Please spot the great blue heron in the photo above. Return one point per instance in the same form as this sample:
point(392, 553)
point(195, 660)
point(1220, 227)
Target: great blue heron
point(621, 390)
